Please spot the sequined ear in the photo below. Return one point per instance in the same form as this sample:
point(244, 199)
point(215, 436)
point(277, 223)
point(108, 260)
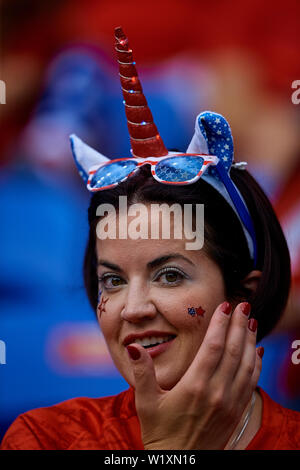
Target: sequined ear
point(217, 133)
point(85, 156)
point(213, 136)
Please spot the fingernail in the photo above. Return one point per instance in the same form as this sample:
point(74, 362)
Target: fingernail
point(133, 352)
point(245, 307)
point(252, 324)
point(226, 308)
point(260, 351)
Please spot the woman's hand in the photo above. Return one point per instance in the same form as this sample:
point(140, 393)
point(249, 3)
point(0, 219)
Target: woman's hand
point(203, 409)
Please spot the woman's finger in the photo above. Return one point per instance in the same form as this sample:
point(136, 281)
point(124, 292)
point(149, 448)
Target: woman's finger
point(243, 377)
point(234, 350)
point(212, 347)
point(258, 367)
point(146, 386)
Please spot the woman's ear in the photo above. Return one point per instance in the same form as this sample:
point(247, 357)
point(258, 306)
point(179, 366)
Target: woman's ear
point(251, 280)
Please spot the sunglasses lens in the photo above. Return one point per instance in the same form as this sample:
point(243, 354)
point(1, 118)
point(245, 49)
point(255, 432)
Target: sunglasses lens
point(179, 169)
point(112, 173)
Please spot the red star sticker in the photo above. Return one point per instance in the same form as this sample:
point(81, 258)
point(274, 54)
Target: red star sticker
point(199, 311)
point(101, 306)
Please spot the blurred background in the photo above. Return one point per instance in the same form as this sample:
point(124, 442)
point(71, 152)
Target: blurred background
point(57, 61)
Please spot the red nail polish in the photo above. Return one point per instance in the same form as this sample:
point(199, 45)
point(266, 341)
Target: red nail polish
point(226, 308)
point(252, 324)
point(260, 351)
point(133, 352)
point(246, 307)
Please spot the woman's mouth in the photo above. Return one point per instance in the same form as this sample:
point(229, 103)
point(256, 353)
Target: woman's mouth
point(155, 345)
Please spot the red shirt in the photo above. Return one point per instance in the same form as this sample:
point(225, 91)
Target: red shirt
point(111, 423)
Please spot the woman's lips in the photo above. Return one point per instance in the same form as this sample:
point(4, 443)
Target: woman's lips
point(159, 348)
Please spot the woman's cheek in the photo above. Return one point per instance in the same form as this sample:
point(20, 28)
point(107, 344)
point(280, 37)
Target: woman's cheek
point(187, 315)
point(106, 315)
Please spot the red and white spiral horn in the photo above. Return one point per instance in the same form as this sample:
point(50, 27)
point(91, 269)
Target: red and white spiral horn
point(144, 136)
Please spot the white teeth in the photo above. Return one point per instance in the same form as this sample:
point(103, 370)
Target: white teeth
point(152, 340)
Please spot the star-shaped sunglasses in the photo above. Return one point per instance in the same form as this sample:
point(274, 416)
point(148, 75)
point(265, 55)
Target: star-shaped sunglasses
point(175, 169)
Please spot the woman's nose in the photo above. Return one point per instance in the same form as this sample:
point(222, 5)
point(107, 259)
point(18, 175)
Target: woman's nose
point(138, 306)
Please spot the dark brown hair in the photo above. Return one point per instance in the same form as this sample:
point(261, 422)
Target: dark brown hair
point(224, 239)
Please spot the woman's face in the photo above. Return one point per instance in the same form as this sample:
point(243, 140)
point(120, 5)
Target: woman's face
point(146, 288)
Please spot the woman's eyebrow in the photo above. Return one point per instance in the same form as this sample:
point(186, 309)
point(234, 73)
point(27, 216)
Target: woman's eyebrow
point(114, 267)
point(163, 259)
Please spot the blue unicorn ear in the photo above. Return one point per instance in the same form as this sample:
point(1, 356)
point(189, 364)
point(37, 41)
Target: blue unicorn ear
point(85, 156)
point(213, 136)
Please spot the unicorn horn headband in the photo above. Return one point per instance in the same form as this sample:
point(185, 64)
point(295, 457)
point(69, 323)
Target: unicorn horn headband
point(144, 136)
point(210, 153)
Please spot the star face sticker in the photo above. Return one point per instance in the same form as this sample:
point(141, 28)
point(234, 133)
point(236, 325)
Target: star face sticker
point(198, 311)
point(101, 306)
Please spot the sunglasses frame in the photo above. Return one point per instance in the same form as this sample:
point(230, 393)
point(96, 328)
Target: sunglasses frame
point(153, 161)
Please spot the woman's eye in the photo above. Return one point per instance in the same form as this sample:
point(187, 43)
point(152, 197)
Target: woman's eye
point(116, 281)
point(170, 277)
point(109, 282)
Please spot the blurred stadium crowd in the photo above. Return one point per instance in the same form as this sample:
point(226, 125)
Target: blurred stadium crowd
point(57, 61)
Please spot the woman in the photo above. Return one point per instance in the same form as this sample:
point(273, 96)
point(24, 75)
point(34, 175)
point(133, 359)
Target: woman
point(181, 324)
